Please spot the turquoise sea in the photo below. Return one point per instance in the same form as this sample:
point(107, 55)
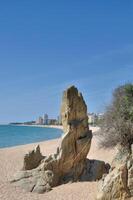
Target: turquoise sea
point(11, 135)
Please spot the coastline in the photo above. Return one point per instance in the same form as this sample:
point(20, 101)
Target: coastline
point(42, 126)
point(27, 141)
point(93, 128)
point(11, 161)
point(34, 144)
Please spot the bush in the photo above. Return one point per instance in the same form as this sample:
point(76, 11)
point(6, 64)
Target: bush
point(117, 123)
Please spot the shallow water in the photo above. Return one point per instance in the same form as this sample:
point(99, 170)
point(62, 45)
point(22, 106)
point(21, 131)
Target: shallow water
point(17, 135)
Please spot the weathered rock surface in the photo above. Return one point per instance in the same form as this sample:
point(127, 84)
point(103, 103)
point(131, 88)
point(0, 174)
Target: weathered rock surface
point(118, 184)
point(32, 159)
point(76, 140)
point(69, 163)
point(94, 170)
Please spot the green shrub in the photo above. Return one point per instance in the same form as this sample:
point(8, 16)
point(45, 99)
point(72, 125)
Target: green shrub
point(117, 123)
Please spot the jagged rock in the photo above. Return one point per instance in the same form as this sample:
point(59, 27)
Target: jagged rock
point(118, 184)
point(32, 159)
point(130, 172)
point(76, 140)
point(94, 170)
point(69, 163)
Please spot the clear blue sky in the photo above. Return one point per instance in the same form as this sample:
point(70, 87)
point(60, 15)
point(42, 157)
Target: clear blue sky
point(46, 46)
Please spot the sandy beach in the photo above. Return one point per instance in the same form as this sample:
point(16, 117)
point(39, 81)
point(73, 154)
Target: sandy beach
point(11, 160)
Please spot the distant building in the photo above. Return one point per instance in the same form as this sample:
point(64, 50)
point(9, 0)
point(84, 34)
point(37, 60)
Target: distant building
point(39, 121)
point(91, 118)
point(52, 122)
point(94, 118)
point(59, 119)
point(45, 119)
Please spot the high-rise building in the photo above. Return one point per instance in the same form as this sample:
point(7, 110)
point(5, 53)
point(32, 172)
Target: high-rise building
point(45, 119)
point(39, 121)
point(59, 120)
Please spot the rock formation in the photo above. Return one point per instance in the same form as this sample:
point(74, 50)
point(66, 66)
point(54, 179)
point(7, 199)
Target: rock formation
point(118, 184)
point(32, 159)
point(69, 163)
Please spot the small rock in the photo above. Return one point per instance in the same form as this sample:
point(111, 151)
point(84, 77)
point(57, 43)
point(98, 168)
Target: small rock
point(32, 159)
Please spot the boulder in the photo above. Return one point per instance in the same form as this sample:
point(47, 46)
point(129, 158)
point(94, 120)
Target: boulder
point(118, 184)
point(94, 170)
point(32, 159)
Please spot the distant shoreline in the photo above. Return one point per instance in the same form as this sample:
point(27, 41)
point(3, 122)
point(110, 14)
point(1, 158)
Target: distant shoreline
point(26, 134)
point(52, 126)
point(41, 126)
point(48, 126)
point(59, 127)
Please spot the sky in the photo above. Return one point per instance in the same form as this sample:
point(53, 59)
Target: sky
point(48, 45)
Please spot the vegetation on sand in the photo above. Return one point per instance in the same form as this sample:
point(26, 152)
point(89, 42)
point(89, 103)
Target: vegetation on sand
point(117, 123)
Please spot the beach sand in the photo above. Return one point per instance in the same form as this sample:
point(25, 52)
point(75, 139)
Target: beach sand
point(11, 160)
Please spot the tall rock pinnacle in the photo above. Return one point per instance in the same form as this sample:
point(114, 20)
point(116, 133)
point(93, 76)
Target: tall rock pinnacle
point(69, 162)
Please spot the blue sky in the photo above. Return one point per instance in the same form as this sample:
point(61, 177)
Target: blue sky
point(46, 46)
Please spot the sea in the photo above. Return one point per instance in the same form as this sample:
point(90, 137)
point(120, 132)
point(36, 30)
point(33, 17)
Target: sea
point(11, 135)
